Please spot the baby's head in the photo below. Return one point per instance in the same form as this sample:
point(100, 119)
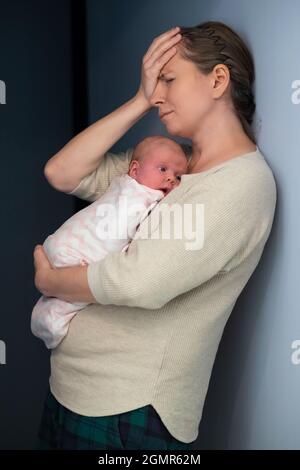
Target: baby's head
point(158, 162)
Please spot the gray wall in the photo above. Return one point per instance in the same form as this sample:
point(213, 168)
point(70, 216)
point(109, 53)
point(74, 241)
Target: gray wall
point(253, 398)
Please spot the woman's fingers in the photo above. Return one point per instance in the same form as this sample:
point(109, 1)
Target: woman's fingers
point(160, 39)
point(158, 54)
point(155, 67)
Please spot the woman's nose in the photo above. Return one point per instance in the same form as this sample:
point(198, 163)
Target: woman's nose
point(157, 96)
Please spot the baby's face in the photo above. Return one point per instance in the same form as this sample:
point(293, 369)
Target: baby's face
point(162, 168)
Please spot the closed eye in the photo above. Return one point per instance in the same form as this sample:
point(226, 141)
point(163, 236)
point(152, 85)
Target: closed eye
point(166, 80)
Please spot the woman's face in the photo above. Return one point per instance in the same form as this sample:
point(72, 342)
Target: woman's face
point(185, 93)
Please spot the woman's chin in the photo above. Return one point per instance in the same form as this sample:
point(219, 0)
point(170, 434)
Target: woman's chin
point(171, 128)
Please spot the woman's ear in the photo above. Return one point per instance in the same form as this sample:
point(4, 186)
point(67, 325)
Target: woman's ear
point(133, 168)
point(221, 79)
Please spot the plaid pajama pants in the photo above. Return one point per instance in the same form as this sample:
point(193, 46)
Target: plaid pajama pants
point(139, 429)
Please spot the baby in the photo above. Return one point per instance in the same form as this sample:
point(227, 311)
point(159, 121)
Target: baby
point(108, 225)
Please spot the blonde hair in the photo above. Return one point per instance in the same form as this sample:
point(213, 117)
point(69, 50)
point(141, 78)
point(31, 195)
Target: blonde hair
point(143, 145)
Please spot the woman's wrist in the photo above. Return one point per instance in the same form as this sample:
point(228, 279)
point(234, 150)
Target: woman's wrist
point(141, 102)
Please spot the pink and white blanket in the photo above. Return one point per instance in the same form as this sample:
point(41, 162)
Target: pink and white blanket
point(106, 225)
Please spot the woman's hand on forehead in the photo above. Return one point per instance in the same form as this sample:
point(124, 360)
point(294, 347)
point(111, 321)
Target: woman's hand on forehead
point(161, 50)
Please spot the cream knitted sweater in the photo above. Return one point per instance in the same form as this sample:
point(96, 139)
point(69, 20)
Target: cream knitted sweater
point(154, 335)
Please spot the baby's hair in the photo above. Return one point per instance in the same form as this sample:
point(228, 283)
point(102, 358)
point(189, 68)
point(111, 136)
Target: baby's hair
point(138, 154)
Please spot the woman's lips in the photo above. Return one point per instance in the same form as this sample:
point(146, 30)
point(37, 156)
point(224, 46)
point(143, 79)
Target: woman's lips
point(167, 114)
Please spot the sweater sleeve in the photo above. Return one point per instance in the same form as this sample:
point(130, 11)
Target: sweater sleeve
point(92, 186)
point(155, 270)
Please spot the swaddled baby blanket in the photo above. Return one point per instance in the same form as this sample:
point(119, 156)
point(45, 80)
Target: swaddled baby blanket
point(107, 225)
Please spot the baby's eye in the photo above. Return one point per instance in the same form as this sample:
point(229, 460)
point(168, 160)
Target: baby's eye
point(162, 168)
point(179, 178)
point(169, 80)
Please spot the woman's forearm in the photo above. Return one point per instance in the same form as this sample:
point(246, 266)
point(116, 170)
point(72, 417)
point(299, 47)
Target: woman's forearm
point(69, 284)
point(83, 153)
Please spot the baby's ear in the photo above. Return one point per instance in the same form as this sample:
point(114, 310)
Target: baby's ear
point(133, 168)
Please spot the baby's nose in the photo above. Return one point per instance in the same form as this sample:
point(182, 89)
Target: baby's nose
point(171, 178)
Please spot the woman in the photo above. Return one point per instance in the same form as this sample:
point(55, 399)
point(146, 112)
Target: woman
point(133, 371)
